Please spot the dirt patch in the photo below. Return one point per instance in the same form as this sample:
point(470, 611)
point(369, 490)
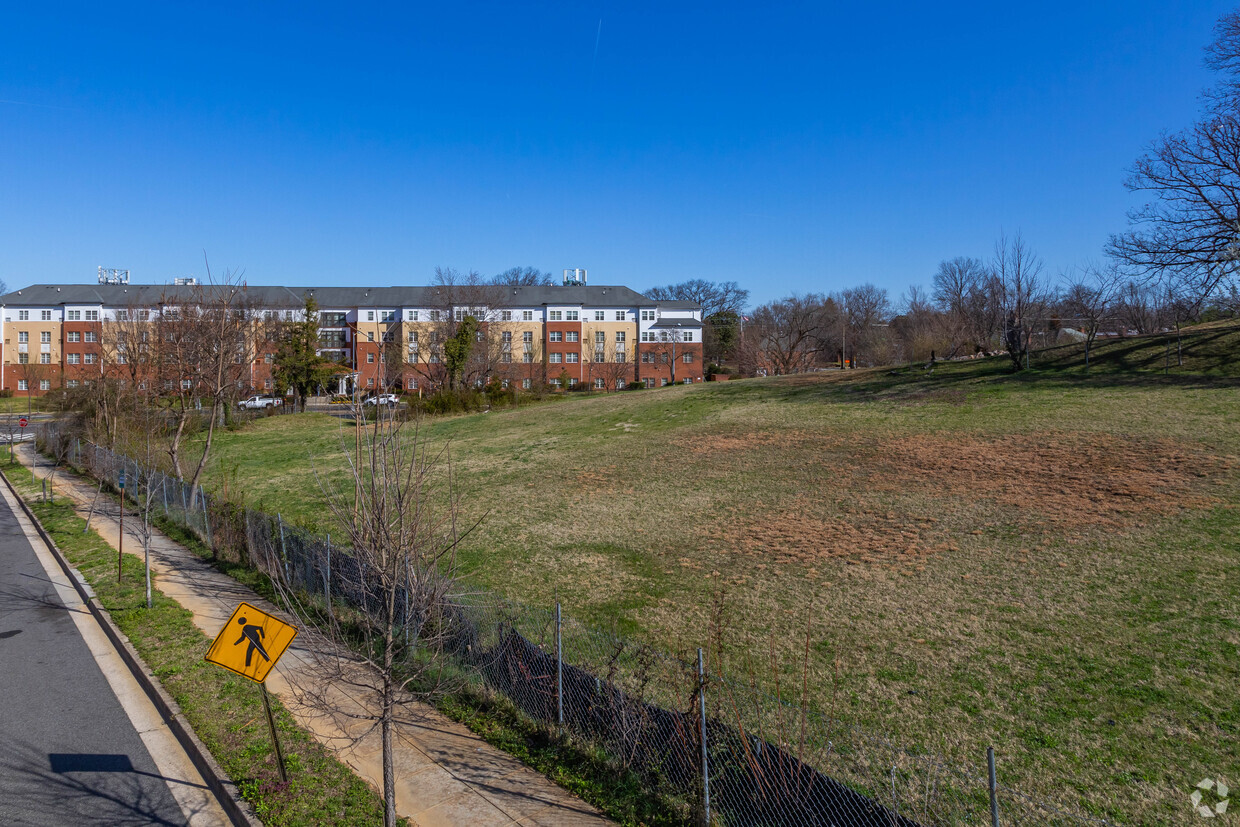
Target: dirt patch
point(709, 445)
point(1057, 484)
point(1071, 480)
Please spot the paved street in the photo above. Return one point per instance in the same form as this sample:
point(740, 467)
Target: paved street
point(69, 751)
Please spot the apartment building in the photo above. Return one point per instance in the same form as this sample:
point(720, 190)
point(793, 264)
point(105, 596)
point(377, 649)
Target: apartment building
point(389, 338)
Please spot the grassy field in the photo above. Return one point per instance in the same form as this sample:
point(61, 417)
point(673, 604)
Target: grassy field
point(1045, 562)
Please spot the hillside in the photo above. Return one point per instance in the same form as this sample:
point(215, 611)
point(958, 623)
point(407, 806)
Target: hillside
point(1046, 562)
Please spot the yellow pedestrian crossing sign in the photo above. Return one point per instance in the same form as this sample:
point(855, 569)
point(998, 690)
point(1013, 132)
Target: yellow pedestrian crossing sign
point(251, 642)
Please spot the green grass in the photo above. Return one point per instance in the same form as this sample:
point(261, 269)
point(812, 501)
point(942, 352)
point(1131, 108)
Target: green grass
point(580, 768)
point(1046, 562)
point(225, 711)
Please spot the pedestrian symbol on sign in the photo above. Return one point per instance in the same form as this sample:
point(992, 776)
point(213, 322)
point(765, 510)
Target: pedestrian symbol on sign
point(254, 634)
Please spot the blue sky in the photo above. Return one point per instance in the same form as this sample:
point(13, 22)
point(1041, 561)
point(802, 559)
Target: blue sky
point(801, 147)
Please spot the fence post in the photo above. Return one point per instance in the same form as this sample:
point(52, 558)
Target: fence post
point(705, 759)
point(559, 668)
point(283, 548)
point(327, 579)
point(994, 793)
point(206, 520)
point(163, 490)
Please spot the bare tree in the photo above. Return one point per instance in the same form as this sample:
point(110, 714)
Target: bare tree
point(1189, 234)
point(219, 317)
point(965, 292)
point(1089, 298)
point(523, 277)
point(785, 335)
point(1019, 274)
point(387, 650)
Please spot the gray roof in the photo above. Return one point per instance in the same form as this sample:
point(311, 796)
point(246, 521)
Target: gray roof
point(152, 295)
point(676, 323)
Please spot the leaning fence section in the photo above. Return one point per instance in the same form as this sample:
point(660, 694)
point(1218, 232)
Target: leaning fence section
point(723, 751)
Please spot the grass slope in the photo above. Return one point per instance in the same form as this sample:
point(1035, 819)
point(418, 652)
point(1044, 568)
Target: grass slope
point(1046, 562)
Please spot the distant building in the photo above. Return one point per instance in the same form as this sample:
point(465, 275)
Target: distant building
point(389, 338)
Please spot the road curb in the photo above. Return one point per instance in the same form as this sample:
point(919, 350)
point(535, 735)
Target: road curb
point(239, 812)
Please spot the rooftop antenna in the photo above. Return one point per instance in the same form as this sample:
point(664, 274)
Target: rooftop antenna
point(113, 276)
point(575, 277)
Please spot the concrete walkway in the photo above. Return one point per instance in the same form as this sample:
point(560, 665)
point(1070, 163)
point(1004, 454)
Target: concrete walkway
point(445, 774)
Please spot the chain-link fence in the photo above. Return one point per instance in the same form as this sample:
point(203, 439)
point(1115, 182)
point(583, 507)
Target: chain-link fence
point(717, 748)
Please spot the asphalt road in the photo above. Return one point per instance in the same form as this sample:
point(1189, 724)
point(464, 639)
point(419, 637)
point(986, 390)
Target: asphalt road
point(69, 753)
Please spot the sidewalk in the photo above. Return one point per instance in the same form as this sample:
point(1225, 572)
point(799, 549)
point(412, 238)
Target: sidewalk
point(445, 775)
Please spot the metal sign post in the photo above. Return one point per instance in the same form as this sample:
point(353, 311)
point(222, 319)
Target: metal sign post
point(120, 543)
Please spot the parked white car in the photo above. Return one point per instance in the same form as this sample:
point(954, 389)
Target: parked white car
point(382, 399)
point(255, 403)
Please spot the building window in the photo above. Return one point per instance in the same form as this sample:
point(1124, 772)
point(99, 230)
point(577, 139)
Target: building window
point(664, 336)
point(23, 316)
point(599, 315)
point(599, 356)
point(76, 315)
point(74, 336)
point(621, 357)
point(91, 336)
point(619, 384)
point(662, 383)
point(23, 337)
point(600, 338)
point(646, 358)
point(45, 315)
point(687, 336)
point(74, 358)
point(411, 315)
point(619, 315)
point(688, 358)
point(647, 336)
point(506, 337)
point(505, 316)
point(46, 337)
point(555, 336)
point(434, 315)
point(620, 337)
point(527, 357)
point(506, 357)
point(411, 384)
point(23, 358)
point(572, 358)
point(72, 383)
point(555, 383)
point(527, 336)
point(571, 337)
point(647, 315)
point(370, 383)
point(525, 383)
point(186, 384)
point(370, 315)
point(688, 381)
point(600, 384)
point(21, 385)
point(89, 358)
point(388, 316)
point(527, 315)
point(556, 315)
point(571, 315)
point(45, 384)
point(556, 358)
point(92, 315)
point(45, 358)
point(370, 358)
